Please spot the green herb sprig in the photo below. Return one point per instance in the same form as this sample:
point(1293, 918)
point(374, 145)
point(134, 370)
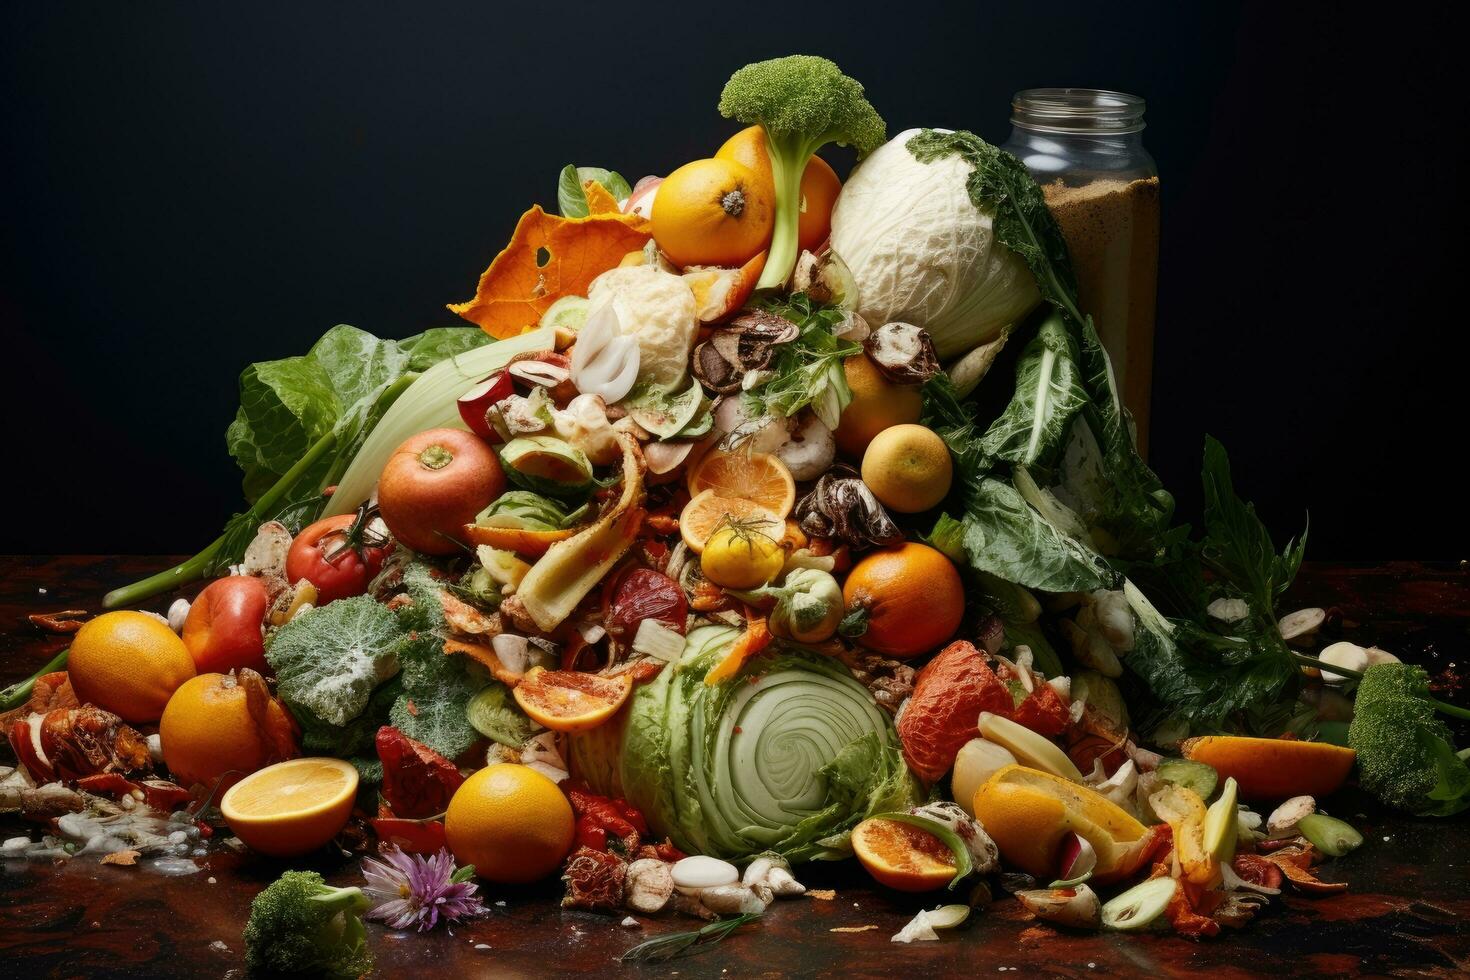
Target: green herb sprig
point(661, 949)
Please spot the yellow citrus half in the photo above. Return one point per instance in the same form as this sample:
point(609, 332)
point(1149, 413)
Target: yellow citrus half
point(293, 807)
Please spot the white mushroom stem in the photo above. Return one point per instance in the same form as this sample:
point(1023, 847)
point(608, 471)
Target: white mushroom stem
point(731, 900)
point(649, 885)
point(1284, 818)
point(1300, 627)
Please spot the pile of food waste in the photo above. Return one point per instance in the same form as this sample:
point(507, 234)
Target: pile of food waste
point(757, 519)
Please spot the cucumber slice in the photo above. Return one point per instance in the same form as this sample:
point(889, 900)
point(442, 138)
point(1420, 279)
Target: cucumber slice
point(1329, 835)
point(1191, 775)
point(1139, 905)
point(1222, 824)
point(569, 312)
point(664, 414)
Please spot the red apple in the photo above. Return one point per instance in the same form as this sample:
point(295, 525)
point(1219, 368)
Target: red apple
point(640, 202)
point(474, 403)
point(223, 628)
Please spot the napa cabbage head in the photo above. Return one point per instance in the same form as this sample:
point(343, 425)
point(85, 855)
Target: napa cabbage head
point(922, 252)
point(787, 756)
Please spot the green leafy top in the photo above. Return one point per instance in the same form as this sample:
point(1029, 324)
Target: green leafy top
point(803, 99)
point(1405, 753)
point(328, 661)
point(807, 371)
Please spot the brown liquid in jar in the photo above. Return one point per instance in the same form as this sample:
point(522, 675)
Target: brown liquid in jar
point(1112, 231)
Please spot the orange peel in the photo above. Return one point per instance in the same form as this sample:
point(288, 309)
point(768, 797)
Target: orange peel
point(547, 258)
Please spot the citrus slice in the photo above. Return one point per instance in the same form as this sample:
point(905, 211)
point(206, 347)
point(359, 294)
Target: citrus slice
point(1274, 768)
point(569, 700)
point(903, 857)
point(1029, 813)
point(293, 807)
point(757, 477)
point(703, 515)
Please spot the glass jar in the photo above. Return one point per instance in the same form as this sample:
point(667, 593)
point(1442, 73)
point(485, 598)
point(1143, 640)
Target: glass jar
point(1085, 148)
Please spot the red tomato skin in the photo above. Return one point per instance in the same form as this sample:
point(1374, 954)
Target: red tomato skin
point(223, 629)
point(348, 574)
point(642, 593)
point(434, 484)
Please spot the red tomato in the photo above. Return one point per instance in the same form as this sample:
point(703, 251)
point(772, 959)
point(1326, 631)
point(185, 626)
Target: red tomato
point(642, 593)
point(223, 628)
point(323, 555)
point(434, 484)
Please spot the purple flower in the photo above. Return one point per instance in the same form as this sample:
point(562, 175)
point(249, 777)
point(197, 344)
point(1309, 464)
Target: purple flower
point(409, 890)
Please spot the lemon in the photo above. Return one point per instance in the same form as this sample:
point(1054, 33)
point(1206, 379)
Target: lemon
point(908, 468)
point(738, 556)
point(291, 808)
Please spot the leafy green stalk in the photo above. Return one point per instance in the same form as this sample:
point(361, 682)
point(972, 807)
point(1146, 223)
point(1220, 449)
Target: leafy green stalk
point(18, 693)
point(803, 103)
point(221, 550)
point(661, 949)
point(807, 371)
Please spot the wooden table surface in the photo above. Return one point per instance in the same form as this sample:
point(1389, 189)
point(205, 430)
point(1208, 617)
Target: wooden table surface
point(1407, 911)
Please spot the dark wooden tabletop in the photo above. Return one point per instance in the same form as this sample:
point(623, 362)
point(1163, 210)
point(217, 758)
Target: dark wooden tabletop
point(1407, 911)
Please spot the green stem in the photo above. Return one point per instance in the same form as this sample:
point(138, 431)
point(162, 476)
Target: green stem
point(1453, 710)
point(16, 694)
point(196, 567)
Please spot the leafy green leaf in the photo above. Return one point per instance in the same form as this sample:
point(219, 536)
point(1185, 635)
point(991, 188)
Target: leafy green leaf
point(436, 693)
point(1049, 393)
point(808, 370)
point(439, 343)
point(328, 661)
point(571, 197)
point(1004, 536)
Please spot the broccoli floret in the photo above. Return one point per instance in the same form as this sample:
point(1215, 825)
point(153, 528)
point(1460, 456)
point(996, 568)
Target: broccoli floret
point(803, 102)
point(300, 925)
point(1405, 754)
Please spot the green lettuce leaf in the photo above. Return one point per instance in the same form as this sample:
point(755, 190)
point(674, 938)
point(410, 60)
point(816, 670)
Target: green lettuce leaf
point(1049, 393)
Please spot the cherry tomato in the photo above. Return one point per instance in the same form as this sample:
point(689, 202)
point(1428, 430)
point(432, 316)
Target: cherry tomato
point(323, 555)
point(642, 593)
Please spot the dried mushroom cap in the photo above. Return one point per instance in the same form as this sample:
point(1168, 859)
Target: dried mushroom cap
point(715, 371)
point(825, 278)
point(903, 352)
point(746, 344)
point(841, 506)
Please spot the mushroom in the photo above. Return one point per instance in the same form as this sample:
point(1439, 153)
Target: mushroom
point(1283, 820)
point(1228, 610)
point(1076, 907)
point(811, 449)
point(648, 886)
point(1300, 628)
point(903, 353)
point(1344, 654)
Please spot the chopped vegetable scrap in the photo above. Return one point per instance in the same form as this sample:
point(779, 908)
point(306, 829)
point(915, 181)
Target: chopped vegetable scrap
point(720, 544)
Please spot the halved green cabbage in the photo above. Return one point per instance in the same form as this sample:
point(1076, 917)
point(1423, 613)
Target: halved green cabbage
point(787, 756)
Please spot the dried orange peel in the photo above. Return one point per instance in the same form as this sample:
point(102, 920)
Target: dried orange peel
point(549, 257)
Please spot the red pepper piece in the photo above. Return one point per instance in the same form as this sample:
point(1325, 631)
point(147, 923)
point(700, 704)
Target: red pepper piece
point(417, 781)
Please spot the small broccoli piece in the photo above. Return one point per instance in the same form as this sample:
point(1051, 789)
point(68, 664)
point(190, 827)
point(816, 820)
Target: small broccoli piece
point(1405, 754)
point(302, 926)
point(803, 102)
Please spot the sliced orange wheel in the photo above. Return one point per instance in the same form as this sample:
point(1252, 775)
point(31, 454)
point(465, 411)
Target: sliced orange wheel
point(531, 544)
point(293, 807)
point(569, 700)
point(757, 477)
point(903, 857)
point(703, 515)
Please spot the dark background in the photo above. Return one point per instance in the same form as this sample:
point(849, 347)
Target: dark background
point(189, 189)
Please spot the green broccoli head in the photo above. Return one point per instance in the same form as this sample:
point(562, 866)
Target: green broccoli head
point(803, 102)
point(300, 925)
point(1405, 753)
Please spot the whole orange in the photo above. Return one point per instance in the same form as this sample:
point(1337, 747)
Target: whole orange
point(820, 184)
point(224, 723)
point(912, 595)
point(713, 212)
point(877, 404)
point(511, 823)
point(129, 663)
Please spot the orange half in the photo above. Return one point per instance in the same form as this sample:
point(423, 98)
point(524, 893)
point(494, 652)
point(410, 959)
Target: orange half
point(293, 807)
point(757, 477)
point(569, 700)
point(703, 515)
point(903, 857)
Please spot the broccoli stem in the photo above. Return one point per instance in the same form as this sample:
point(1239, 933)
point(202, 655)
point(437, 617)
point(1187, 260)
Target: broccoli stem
point(351, 899)
point(788, 163)
point(16, 694)
point(1453, 710)
point(196, 567)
